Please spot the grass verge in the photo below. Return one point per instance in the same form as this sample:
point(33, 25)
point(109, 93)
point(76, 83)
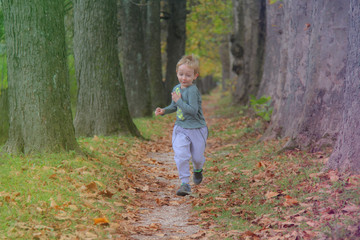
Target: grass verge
point(254, 191)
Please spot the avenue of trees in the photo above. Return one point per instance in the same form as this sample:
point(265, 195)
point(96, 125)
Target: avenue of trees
point(303, 54)
point(122, 55)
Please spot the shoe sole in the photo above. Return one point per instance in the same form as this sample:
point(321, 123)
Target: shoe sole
point(182, 193)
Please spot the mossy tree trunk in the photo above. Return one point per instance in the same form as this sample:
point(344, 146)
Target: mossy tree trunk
point(153, 53)
point(4, 113)
point(39, 102)
point(101, 104)
point(134, 63)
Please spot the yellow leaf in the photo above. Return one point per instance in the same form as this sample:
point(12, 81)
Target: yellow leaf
point(101, 221)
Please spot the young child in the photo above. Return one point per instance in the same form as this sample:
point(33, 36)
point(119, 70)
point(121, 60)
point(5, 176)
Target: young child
point(190, 130)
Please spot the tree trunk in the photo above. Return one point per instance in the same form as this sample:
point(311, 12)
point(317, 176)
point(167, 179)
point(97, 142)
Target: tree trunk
point(347, 149)
point(4, 113)
point(176, 39)
point(134, 65)
point(153, 53)
point(39, 101)
point(101, 104)
point(308, 98)
point(224, 52)
point(274, 35)
point(248, 46)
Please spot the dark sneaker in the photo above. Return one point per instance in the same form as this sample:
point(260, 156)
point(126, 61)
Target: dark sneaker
point(184, 190)
point(198, 177)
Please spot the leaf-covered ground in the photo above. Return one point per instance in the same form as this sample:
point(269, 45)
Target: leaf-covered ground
point(251, 189)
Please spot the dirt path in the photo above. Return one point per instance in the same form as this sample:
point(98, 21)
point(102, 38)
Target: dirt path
point(165, 215)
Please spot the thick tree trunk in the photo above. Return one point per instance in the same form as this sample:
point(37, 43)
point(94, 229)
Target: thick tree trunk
point(4, 113)
point(308, 98)
point(39, 102)
point(248, 46)
point(153, 53)
point(176, 39)
point(346, 155)
point(101, 104)
point(134, 65)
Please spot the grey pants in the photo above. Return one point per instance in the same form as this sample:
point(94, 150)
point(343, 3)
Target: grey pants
point(189, 144)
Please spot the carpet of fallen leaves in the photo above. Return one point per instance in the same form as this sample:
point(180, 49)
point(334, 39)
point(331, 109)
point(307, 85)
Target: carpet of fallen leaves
point(278, 195)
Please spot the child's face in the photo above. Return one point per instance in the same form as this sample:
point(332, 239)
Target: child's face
point(186, 75)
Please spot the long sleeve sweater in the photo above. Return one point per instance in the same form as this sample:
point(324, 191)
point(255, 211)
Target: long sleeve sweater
point(188, 109)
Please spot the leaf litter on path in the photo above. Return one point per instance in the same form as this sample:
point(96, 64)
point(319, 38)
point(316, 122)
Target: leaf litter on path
point(163, 215)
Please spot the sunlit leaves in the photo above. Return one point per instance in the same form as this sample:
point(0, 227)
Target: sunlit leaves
point(207, 24)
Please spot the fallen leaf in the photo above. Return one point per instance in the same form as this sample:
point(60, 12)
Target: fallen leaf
point(333, 176)
point(350, 208)
point(106, 193)
point(269, 195)
point(289, 201)
point(101, 221)
point(91, 186)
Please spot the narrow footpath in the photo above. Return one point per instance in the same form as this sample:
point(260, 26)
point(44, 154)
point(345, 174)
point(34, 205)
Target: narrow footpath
point(163, 214)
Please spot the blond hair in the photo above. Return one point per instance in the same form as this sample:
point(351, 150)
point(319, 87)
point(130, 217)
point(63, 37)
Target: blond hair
point(191, 61)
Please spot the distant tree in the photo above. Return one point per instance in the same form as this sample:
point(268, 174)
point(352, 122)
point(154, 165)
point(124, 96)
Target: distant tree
point(134, 64)
point(175, 43)
point(39, 102)
point(347, 149)
point(208, 26)
point(153, 53)
point(247, 47)
point(101, 103)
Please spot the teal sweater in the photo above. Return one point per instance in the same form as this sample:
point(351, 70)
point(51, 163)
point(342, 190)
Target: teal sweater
point(188, 109)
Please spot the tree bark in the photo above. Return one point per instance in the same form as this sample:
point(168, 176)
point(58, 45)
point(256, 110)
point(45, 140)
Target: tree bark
point(248, 46)
point(176, 39)
point(39, 102)
point(153, 53)
point(4, 113)
point(101, 103)
point(309, 91)
point(134, 65)
point(347, 149)
point(225, 57)
point(273, 54)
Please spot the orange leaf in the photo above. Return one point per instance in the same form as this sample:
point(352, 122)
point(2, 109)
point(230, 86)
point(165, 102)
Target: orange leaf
point(101, 221)
point(91, 186)
point(289, 201)
point(307, 26)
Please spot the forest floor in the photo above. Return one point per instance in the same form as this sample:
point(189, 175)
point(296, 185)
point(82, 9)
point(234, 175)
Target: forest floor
point(251, 190)
point(125, 187)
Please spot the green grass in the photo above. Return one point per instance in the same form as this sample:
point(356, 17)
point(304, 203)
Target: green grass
point(245, 169)
point(31, 185)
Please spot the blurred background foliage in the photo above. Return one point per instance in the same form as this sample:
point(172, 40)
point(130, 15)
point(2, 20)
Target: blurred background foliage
point(208, 24)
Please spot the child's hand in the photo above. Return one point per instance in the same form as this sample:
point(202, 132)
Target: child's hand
point(159, 111)
point(175, 97)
